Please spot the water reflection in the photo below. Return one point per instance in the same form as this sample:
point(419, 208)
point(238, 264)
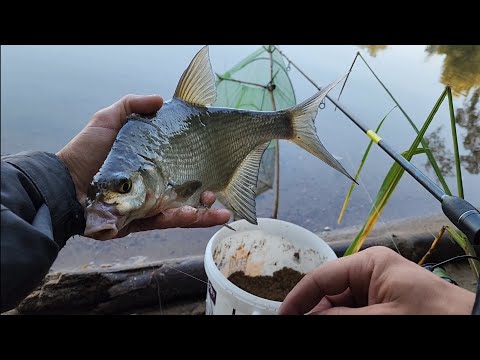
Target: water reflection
point(460, 70)
point(468, 118)
point(373, 50)
point(461, 66)
point(442, 154)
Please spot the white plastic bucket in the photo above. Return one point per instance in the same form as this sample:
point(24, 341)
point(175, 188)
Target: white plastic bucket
point(257, 250)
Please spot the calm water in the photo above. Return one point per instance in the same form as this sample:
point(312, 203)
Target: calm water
point(48, 93)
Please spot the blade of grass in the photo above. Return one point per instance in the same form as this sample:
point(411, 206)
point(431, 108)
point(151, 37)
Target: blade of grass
point(364, 158)
point(455, 144)
point(433, 246)
point(432, 160)
point(391, 181)
point(427, 123)
point(386, 190)
point(462, 240)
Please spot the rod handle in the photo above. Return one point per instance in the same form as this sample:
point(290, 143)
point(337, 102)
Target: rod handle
point(464, 216)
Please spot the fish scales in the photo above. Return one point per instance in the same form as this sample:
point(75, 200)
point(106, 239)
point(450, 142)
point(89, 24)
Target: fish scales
point(168, 159)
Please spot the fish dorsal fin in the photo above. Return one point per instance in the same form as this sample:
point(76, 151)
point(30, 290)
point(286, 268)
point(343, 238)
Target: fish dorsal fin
point(197, 84)
point(240, 192)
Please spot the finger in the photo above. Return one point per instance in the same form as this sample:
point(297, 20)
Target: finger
point(331, 278)
point(208, 198)
point(114, 116)
point(377, 309)
point(210, 217)
point(323, 305)
point(181, 217)
point(171, 218)
point(344, 299)
point(146, 104)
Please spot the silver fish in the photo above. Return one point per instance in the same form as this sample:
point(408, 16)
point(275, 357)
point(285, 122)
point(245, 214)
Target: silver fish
point(168, 159)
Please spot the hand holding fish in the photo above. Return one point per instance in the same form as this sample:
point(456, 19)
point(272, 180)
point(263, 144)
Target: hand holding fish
point(87, 151)
point(163, 159)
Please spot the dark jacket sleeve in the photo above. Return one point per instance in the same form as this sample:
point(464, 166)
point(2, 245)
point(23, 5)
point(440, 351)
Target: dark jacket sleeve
point(39, 212)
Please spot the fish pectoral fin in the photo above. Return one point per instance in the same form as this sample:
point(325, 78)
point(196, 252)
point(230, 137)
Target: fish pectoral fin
point(240, 192)
point(187, 189)
point(197, 84)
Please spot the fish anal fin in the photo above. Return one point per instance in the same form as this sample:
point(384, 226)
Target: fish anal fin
point(240, 192)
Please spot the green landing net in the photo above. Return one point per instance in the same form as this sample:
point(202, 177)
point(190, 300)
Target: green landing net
point(258, 82)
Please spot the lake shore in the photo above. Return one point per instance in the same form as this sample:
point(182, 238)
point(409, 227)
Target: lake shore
point(412, 237)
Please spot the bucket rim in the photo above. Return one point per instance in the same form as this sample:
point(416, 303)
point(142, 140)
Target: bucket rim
point(240, 294)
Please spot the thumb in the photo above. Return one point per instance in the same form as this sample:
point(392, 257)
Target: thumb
point(115, 116)
point(139, 104)
point(377, 309)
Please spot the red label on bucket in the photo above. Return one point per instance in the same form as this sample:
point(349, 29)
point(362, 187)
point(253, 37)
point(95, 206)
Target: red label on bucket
point(212, 293)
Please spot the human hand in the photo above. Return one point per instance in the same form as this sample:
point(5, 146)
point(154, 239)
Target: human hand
point(184, 217)
point(375, 281)
point(86, 152)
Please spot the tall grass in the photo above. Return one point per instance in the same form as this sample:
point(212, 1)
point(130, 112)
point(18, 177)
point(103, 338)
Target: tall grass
point(419, 146)
point(429, 154)
point(391, 180)
point(357, 174)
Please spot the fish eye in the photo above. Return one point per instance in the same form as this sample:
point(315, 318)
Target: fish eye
point(125, 185)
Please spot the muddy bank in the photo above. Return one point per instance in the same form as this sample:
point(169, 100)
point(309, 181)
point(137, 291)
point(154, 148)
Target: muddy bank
point(139, 286)
point(132, 285)
point(81, 252)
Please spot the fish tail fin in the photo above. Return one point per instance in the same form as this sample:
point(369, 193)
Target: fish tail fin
point(304, 131)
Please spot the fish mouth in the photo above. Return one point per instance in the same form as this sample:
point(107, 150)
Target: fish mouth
point(102, 222)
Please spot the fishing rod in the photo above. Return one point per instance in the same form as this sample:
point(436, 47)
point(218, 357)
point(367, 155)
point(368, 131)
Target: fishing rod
point(459, 211)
